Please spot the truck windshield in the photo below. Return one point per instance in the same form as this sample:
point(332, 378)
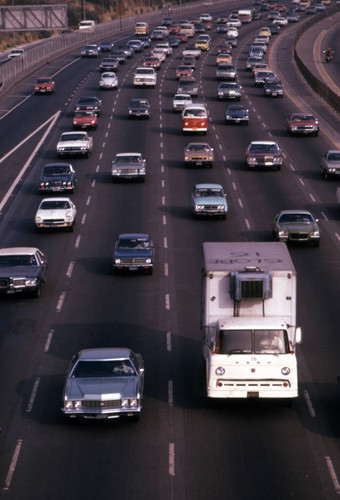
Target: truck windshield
point(252, 342)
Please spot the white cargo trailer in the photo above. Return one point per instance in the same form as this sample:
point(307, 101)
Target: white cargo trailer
point(249, 320)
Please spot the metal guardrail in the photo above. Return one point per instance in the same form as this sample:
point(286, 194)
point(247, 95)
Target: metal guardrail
point(46, 51)
point(317, 85)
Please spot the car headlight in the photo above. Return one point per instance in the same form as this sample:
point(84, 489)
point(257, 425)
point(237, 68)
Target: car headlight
point(285, 370)
point(202, 124)
point(38, 218)
point(148, 261)
point(133, 402)
point(277, 160)
point(199, 208)
point(220, 371)
point(221, 208)
point(315, 233)
point(125, 403)
point(117, 261)
point(114, 171)
point(31, 281)
point(68, 217)
point(281, 233)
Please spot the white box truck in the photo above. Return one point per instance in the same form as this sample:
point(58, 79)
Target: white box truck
point(249, 320)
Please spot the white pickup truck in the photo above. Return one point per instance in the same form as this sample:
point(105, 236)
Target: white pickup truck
point(145, 77)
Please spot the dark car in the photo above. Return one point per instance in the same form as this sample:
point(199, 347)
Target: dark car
point(297, 226)
point(57, 178)
point(231, 40)
point(139, 108)
point(173, 41)
point(273, 89)
point(104, 383)
point(146, 41)
point(128, 51)
point(264, 154)
point(119, 55)
point(106, 46)
point(89, 104)
point(236, 113)
point(187, 86)
point(133, 252)
point(22, 269)
point(109, 64)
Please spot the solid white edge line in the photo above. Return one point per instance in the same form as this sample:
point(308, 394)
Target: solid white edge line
point(53, 119)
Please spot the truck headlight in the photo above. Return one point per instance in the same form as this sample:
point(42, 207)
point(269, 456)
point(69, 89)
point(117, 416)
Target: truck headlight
point(285, 370)
point(220, 371)
point(117, 261)
point(148, 261)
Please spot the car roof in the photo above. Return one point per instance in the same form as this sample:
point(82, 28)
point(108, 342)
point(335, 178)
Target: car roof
point(295, 212)
point(263, 142)
point(128, 154)
point(59, 198)
point(18, 250)
point(101, 353)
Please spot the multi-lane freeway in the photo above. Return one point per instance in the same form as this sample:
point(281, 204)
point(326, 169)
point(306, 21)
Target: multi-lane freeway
point(184, 446)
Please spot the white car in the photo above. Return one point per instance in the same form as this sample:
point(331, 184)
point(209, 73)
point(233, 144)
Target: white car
point(74, 143)
point(55, 213)
point(234, 23)
point(206, 18)
point(232, 31)
point(180, 101)
point(281, 21)
point(192, 51)
point(165, 47)
point(159, 53)
point(108, 80)
point(15, 53)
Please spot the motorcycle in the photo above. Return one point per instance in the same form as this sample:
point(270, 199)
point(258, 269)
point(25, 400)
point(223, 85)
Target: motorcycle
point(328, 56)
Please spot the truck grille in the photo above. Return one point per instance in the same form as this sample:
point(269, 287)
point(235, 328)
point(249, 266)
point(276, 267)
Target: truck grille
point(133, 261)
point(253, 384)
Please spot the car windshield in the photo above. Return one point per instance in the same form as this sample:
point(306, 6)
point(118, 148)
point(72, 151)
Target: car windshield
point(135, 243)
point(44, 80)
point(51, 171)
point(192, 113)
point(138, 103)
point(81, 114)
point(302, 118)
point(17, 260)
point(55, 204)
point(264, 148)
point(86, 100)
point(296, 218)
point(198, 147)
point(103, 369)
point(333, 156)
point(128, 159)
point(73, 137)
point(252, 342)
point(228, 86)
point(209, 192)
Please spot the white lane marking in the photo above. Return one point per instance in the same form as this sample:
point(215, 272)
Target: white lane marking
point(234, 186)
point(163, 183)
point(170, 393)
point(13, 464)
point(33, 395)
point(166, 269)
point(325, 216)
point(83, 219)
point(164, 220)
point(93, 183)
point(301, 181)
point(165, 242)
point(60, 302)
point(240, 202)
point(52, 119)
point(333, 474)
point(48, 340)
point(70, 269)
point(309, 404)
point(163, 200)
point(88, 200)
point(247, 223)
point(337, 235)
point(77, 243)
point(312, 197)
point(167, 302)
point(168, 341)
point(171, 459)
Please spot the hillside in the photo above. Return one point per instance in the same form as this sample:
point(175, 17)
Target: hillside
point(99, 10)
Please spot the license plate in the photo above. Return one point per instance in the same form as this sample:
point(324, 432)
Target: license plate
point(274, 94)
point(252, 394)
point(133, 268)
point(199, 162)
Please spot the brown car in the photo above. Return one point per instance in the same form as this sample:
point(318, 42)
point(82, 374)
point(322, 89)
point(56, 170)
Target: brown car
point(224, 57)
point(199, 153)
point(44, 85)
point(303, 124)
